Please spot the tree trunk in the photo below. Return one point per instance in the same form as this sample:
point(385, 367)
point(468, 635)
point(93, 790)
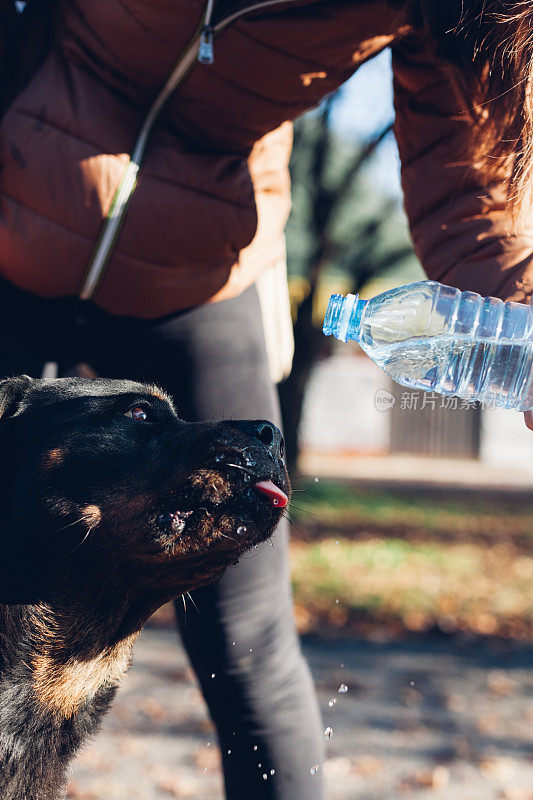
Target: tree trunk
point(310, 344)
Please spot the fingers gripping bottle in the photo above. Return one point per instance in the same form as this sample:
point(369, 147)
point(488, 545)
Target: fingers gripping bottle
point(433, 337)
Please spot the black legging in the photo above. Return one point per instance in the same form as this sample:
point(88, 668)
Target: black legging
point(212, 360)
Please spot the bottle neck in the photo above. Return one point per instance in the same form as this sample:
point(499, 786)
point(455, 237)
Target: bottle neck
point(350, 326)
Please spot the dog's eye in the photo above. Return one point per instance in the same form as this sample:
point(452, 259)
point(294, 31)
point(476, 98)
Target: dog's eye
point(137, 413)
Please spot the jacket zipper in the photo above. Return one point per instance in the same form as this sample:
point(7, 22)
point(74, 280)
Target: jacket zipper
point(205, 47)
point(200, 48)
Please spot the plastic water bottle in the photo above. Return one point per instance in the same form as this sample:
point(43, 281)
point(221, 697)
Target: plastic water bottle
point(439, 339)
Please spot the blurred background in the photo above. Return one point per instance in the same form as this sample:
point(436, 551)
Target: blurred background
point(413, 524)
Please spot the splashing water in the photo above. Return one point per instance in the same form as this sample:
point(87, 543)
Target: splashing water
point(343, 688)
point(328, 733)
point(314, 769)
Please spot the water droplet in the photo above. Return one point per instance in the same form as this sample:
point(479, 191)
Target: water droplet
point(275, 502)
point(229, 752)
point(204, 769)
point(234, 643)
point(332, 702)
point(337, 542)
point(343, 688)
point(220, 458)
point(316, 480)
point(342, 666)
point(265, 776)
point(272, 771)
point(251, 649)
point(314, 769)
point(255, 747)
point(241, 530)
point(412, 683)
point(177, 523)
point(247, 478)
point(259, 766)
point(337, 601)
point(212, 674)
point(328, 733)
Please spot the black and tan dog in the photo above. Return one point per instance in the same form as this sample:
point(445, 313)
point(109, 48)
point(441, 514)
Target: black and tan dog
point(110, 505)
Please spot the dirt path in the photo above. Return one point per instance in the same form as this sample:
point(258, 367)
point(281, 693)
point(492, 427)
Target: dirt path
point(427, 718)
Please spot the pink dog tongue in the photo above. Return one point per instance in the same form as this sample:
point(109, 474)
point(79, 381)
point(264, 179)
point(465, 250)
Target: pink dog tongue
point(273, 492)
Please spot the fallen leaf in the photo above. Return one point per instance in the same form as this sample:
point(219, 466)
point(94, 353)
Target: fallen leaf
point(367, 765)
point(516, 793)
point(487, 723)
point(337, 768)
point(436, 778)
point(75, 791)
point(207, 758)
point(500, 683)
point(153, 709)
point(500, 768)
point(183, 786)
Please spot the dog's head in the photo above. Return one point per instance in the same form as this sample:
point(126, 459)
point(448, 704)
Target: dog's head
point(102, 478)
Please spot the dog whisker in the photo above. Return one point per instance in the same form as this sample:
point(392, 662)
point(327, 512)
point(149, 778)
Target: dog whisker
point(88, 533)
point(71, 524)
point(243, 469)
point(189, 595)
point(303, 510)
point(295, 526)
point(231, 538)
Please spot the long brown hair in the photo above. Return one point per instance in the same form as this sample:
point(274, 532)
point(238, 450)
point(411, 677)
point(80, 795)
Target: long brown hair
point(488, 45)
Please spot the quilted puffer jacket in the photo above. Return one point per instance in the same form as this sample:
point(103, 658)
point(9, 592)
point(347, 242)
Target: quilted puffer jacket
point(144, 146)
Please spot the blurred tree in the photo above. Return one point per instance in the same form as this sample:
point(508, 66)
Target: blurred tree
point(340, 227)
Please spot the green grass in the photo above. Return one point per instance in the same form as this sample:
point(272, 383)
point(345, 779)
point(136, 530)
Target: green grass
point(339, 504)
point(412, 562)
point(417, 587)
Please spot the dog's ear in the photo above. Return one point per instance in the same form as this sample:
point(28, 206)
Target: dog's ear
point(12, 391)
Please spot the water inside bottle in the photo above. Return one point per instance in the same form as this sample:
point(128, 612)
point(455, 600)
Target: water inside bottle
point(493, 372)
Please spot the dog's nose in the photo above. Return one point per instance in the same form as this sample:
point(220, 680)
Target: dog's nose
point(271, 437)
point(267, 433)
